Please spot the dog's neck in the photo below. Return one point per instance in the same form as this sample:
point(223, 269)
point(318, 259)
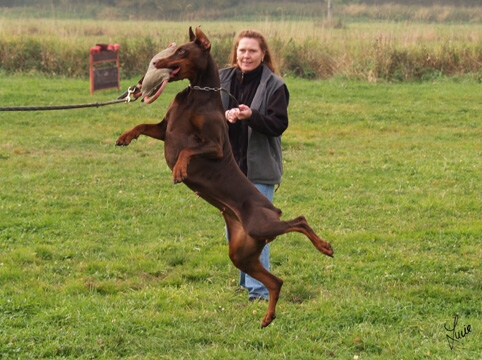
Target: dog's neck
point(209, 78)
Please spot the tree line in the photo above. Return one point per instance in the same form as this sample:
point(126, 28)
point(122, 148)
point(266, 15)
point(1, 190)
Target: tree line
point(169, 5)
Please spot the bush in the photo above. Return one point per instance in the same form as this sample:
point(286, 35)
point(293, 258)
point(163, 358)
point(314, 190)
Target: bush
point(388, 52)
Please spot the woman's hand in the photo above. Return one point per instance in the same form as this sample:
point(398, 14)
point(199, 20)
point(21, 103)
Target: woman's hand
point(232, 115)
point(242, 113)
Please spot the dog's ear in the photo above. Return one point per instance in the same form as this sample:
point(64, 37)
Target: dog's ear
point(191, 34)
point(202, 39)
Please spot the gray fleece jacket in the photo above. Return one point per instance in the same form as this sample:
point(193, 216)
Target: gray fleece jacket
point(264, 155)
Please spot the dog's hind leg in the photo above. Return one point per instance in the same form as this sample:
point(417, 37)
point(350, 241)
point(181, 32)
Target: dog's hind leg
point(252, 266)
point(301, 225)
point(244, 252)
point(270, 228)
point(273, 283)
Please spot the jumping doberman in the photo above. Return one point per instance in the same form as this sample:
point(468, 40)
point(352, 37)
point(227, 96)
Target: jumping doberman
point(197, 150)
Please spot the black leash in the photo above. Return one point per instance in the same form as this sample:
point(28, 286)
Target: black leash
point(58, 107)
point(126, 97)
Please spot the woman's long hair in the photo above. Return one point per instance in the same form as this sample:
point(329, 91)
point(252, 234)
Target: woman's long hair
point(263, 44)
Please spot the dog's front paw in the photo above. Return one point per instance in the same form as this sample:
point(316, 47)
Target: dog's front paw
point(126, 138)
point(179, 173)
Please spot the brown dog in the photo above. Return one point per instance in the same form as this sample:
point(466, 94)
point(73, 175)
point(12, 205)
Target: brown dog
point(197, 150)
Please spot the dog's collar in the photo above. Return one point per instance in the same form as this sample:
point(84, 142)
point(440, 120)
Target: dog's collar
point(207, 88)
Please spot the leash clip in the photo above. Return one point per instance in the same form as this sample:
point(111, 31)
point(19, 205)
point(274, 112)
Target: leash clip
point(131, 90)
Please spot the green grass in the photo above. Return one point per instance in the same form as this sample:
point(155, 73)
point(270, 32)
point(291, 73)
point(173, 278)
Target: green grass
point(101, 256)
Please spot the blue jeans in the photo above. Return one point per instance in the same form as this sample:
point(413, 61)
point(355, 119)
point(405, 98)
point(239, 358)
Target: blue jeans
point(255, 288)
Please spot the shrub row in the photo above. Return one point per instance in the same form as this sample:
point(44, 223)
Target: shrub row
point(308, 58)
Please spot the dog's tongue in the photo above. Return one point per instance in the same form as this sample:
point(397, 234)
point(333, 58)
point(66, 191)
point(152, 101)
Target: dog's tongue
point(149, 100)
point(152, 80)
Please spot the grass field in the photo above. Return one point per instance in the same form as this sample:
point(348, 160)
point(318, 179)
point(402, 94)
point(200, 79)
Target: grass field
point(101, 256)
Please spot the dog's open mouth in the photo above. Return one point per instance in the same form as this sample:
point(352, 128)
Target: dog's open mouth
point(157, 91)
point(175, 71)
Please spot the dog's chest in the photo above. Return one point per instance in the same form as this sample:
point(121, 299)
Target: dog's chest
point(180, 134)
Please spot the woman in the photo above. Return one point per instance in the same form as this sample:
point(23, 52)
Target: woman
point(255, 127)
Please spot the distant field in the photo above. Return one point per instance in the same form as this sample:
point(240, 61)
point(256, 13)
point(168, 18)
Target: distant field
point(366, 50)
point(101, 256)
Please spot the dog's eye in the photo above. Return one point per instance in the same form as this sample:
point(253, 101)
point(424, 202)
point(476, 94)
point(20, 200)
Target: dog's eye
point(181, 52)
